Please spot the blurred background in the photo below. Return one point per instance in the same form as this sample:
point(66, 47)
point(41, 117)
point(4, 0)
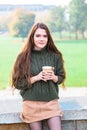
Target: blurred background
point(67, 21)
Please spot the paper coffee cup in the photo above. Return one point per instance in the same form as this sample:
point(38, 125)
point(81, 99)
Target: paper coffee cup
point(47, 68)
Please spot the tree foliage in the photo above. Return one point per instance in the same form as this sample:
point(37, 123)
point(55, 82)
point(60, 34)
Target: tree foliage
point(4, 21)
point(21, 23)
point(57, 21)
point(78, 16)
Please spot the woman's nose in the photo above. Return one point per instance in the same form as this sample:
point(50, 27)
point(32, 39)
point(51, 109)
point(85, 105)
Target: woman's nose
point(41, 38)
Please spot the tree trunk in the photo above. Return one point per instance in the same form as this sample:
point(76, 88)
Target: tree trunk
point(83, 36)
point(60, 35)
point(70, 35)
point(76, 35)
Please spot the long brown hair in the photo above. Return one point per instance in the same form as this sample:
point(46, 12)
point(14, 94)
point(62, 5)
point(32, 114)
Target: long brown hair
point(21, 68)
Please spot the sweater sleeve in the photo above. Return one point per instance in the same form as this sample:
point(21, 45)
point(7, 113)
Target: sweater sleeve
point(60, 70)
point(22, 84)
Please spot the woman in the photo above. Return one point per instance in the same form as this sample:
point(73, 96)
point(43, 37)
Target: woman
point(38, 88)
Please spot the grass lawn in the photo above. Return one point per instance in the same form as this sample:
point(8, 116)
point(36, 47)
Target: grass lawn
point(9, 48)
point(75, 57)
point(74, 53)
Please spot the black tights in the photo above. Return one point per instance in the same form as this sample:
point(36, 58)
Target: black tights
point(54, 123)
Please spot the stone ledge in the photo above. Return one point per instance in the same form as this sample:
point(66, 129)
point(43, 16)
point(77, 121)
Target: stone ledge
point(75, 114)
point(74, 108)
point(10, 118)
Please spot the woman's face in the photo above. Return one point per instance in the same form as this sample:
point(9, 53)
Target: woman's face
point(40, 39)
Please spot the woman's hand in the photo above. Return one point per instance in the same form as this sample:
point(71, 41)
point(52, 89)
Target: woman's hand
point(50, 76)
point(45, 76)
point(37, 78)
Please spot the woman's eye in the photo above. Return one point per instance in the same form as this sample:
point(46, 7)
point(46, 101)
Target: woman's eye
point(38, 35)
point(45, 36)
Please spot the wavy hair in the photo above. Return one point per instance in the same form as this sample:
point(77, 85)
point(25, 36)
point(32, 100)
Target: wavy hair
point(21, 68)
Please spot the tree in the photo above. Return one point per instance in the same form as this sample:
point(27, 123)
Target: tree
point(78, 16)
point(21, 23)
point(57, 21)
point(4, 20)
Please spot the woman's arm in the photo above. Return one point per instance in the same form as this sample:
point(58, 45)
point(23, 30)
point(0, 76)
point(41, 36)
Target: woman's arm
point(60, 72)
point(22, 84)
point(37, 78)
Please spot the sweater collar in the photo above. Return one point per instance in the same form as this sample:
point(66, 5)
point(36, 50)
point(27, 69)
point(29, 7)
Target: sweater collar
point(40, 51)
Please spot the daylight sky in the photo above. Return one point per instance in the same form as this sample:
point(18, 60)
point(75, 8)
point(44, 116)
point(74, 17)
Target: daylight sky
point(45, 2)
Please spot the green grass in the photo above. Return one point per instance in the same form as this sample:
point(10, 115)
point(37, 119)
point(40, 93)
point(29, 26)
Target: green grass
point(74, 53)
point(9, 48)
point(75, 57)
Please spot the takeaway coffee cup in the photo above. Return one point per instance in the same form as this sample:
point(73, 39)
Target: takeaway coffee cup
point(47, 68)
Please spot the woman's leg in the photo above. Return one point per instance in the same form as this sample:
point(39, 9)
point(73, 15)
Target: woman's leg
point(36, 125)
point(54, 123)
